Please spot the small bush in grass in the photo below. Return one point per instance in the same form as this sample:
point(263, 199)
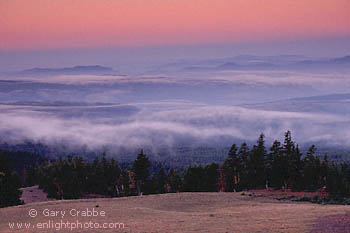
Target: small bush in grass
point(315, 199)
point(346, 201)
point(304, 198)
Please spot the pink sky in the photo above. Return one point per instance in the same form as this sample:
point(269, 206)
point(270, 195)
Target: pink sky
point(55, 24)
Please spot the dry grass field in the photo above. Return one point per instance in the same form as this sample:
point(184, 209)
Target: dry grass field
point(177, 212)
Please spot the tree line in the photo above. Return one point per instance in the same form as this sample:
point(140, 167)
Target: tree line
point(281, 166)
point(10, 182)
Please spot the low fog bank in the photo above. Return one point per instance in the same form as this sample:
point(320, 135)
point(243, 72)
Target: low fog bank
point(216, 126)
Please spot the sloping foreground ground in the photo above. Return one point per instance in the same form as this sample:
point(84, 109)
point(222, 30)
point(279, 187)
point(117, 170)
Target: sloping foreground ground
point(178, 212)
point(333, 223)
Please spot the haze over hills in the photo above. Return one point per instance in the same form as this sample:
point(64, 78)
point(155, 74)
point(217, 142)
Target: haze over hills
point(209, 102)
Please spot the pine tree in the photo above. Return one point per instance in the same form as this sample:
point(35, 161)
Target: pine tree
point(211, 177)
point(243, 155)
point(275, 169)
point(295, 165)
point(175, 181)
point(141, 168)
point(194, 179)
point(162, 181)
point(288, 152)
point(230, 168)
point(310, 170)
point(256, 168)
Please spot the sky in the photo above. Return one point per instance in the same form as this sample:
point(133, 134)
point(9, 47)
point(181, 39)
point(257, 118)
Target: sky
point(34, 32)
point(48, 24)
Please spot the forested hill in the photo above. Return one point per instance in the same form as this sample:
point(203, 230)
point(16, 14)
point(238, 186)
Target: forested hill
point(279, 166)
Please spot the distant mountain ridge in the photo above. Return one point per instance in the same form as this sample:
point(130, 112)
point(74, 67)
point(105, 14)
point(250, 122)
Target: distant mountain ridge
point(93, 69)
point(286, 62)
point(56, 103)
point(330, 104)
point(340, 63)
point(328, 62)
point(345, 59)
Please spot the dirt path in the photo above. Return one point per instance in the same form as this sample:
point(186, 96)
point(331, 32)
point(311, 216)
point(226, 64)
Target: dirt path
point(33, 194)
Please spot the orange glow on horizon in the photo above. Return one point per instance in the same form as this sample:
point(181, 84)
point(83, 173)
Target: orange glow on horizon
point(45, 24)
